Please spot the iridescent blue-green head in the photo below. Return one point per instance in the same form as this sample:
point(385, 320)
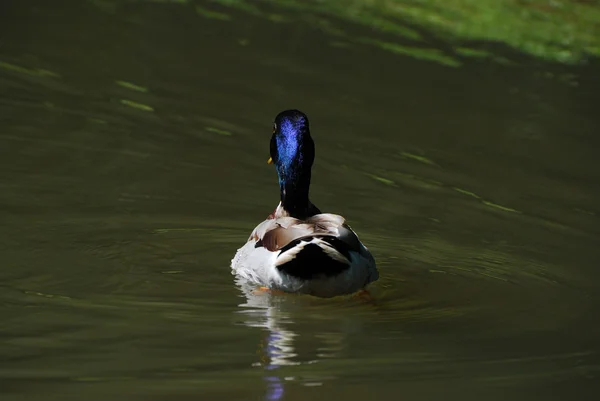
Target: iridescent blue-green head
point(293, 153)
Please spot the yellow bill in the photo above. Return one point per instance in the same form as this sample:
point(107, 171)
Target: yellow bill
point(270, 161)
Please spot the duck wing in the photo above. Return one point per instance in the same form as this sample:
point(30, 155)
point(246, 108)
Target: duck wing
point(319, 245)
point(275, 234)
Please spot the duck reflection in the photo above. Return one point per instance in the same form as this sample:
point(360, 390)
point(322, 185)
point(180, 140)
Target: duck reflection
point(277, 349)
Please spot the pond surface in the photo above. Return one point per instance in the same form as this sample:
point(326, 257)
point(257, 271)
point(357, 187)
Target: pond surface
point(133, 142)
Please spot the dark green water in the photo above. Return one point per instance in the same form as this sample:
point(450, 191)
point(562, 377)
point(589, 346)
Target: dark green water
point(133, 143)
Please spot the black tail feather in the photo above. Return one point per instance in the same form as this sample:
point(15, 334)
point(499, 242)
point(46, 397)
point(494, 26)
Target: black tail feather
point(312, 260)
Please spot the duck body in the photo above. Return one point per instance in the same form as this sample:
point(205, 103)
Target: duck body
point(297, 248)
point(319, 255)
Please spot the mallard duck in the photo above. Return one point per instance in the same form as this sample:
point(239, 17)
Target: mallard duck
point(297, 248)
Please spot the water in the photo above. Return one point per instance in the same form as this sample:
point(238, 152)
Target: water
point(133, 150)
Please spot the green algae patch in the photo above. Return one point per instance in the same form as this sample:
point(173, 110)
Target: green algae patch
point(385, 25)
point(563, 31)
point(212, 14)
point(132, 86)
point(36, 72)
point(419, 53)
point(465, 192)
point(381, 179)
point(418, 158)
point(218, 131)
point(136, 105)
point(470, 52)
point(485, 202)
point(500, 207)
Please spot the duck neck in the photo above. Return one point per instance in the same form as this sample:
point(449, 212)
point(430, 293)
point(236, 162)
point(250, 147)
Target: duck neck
point(294, 196)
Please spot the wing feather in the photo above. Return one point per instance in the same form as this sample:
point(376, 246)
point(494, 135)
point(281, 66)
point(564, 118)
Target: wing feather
point(274, 234)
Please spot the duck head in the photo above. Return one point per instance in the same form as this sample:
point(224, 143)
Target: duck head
point(293, 153)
